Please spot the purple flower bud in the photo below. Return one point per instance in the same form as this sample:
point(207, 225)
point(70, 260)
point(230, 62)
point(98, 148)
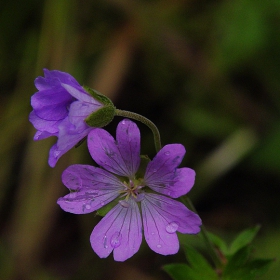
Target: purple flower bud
point(59, 109)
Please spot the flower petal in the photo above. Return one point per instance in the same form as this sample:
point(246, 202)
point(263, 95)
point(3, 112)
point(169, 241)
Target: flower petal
point(94, 188)
point(118, 231)
point(174, 184)
point(165, 162)
point(128, 139)
point(79, 111)
point(162, 217)
point(55, 77)
point(78, 176)
point(44, 125)
point(105, 152)
point(80, 94)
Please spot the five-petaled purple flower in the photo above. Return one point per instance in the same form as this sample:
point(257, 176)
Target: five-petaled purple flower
point(59, 109)
point(120, 230)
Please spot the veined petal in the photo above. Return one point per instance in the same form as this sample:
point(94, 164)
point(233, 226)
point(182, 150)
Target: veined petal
point(79, 111)
point(174, 184)
point(162, 217)
point(55, 77)
point(165, 162)
point(43, 125)
point(128, 139)
point(86, 200)
point(105, 152)
point(80, 94)
point(118, 231)
point(80, 176)
point(69, 136)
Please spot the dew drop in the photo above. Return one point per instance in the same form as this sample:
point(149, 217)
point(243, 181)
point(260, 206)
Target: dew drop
point(158, 246)
point(87, 206)
point(167, 153)
point(124, 203)
point(102, 203)
point(116, 239)
point(56, 153)
point(105, 242)
point(123, 122)
point(172, 227)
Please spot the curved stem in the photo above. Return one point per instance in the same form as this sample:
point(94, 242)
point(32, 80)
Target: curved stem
point(143, 120)
point(215, 257)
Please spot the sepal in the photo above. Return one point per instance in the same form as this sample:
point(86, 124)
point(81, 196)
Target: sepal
point(105, 114)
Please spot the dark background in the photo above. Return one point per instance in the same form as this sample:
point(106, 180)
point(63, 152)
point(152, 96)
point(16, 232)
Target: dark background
point(206, 72)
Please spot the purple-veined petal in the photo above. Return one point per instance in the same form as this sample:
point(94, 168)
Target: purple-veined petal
point(162, 217)
point(80, 176)
point(79, 111)
point(55, 77)
point(40, 135)
point(80, 94)
point(43, 125)
point(93, 188)
point(165, 162)
point(174, 184)
point(119, 231)
point(128, 139)
point(103, 149)
point(86, 200)
point(51, 104)
point(69, 136)
point(67, 139)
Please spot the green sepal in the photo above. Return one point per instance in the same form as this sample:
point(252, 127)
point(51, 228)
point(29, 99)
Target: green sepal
point(105, 114)
point(99, 96)
point(101, 117)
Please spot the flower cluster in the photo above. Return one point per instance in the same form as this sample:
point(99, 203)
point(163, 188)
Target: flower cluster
point(59, 109)
point(120, 230)
point(143, 201)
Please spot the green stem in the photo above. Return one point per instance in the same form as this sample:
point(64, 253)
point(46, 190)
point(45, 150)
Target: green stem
point(143, 120)
point(215, 257)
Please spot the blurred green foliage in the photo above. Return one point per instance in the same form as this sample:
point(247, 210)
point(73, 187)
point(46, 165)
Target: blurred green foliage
point(206, 72)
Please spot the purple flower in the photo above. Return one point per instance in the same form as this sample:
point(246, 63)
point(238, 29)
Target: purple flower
point(59, 109)
point(137, 203)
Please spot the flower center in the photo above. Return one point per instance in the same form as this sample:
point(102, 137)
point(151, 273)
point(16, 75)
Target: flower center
point(132, 188)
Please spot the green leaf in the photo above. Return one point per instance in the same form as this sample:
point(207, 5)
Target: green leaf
point(241, 267)
point(200, 267)
point(178, 271)
point(243, 239)
point(218, 242)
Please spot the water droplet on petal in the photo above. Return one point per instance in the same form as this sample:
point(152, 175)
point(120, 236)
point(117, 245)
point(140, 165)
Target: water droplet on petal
point(172, 227)
point(88, 206)
point(56, 153)
point(102, 203)
point(123, 122)
point(124, 203)
point(158, 246)
point(167, 153)
point(105, 242)
point(116, 239)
